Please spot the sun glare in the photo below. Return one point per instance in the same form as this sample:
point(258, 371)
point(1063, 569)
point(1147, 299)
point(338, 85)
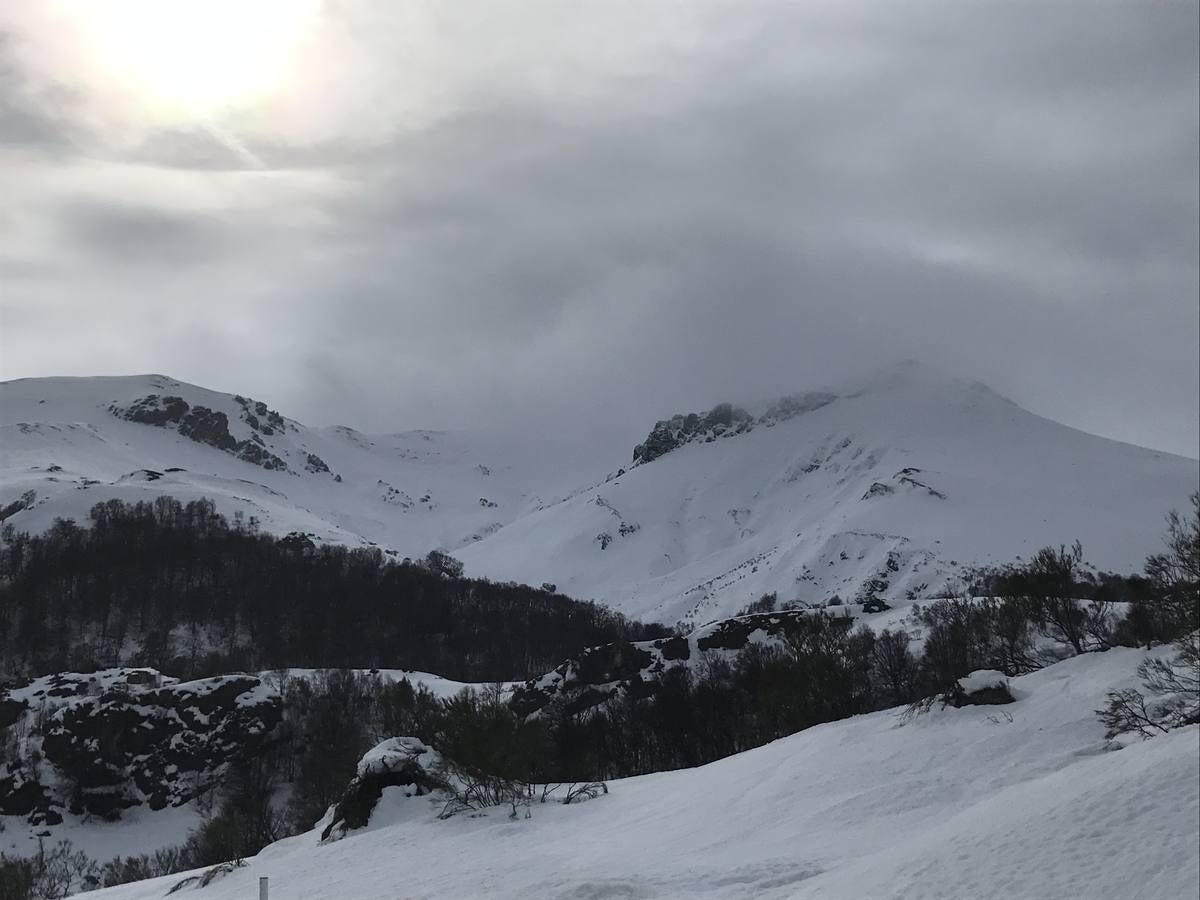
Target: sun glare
point(195, 59)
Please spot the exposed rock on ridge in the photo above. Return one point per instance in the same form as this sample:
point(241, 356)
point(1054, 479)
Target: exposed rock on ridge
point(723, 420)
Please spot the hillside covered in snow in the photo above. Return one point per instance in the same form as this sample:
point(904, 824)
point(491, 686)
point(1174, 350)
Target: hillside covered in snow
point(886, 488)
point(1022, 800)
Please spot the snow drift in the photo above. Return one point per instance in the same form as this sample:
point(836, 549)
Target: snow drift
point(952, 804)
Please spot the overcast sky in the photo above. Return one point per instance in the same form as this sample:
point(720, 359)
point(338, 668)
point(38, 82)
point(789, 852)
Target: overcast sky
point(398, 213)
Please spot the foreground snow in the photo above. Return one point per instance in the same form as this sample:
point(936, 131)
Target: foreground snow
point(960, 803)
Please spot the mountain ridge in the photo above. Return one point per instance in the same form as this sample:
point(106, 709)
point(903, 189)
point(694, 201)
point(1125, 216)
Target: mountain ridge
point(891, 486)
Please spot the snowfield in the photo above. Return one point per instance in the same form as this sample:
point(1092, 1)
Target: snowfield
point(890, 488)
point(905, 481)
point(958, 803)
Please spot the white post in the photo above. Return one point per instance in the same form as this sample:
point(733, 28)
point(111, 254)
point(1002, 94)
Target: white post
point(262, 888)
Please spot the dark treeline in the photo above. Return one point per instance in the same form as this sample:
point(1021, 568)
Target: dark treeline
point(827, 667)
point(178, 587)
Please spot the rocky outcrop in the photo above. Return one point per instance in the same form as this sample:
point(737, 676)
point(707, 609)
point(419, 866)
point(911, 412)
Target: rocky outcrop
point(256, 414)
point(314, 464)
point(985, 687)
point(905, 478)
point(400, 762)
point(101, 743)
point(669, 434)
point(209, 426)
point(723, 420)
point(23, 794)
point(637, 668)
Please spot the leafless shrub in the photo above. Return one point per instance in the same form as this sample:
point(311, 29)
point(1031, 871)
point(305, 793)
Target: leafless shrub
point(1126, 712)
point(50, 875)
point(476, 791)
point(580, 791)
point(208, 877)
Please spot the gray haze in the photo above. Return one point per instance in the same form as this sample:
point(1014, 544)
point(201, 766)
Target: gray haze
point(600, 213)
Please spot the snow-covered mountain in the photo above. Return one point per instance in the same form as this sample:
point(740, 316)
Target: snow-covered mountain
point(75, 442)
point(887, 488)
point(1023, 800)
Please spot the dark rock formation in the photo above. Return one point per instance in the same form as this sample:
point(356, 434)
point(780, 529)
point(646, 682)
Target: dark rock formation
point(207, 426)
point(314, 464)
point(22, 794)
point(637, 667)
point(878, 489)
point(120, 738)
point(723, 420)
point(670, 434)
point(984, 688)
point(403, 762)
point(256, 414)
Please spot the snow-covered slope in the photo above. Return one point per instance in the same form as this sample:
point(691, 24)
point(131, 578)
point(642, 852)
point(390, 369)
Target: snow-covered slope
point(77, 441)
point(888, 487)
point(958, 803)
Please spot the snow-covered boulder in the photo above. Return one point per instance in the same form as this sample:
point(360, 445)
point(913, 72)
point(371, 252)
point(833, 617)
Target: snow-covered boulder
point(983, 687)
point(403, 762)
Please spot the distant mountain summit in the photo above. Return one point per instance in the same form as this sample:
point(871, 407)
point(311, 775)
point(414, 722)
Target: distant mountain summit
point(887, 488)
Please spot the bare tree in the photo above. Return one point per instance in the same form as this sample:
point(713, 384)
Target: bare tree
point(894, 667)
point(1175, 573)
point(1126, 712)
point(1175, 680)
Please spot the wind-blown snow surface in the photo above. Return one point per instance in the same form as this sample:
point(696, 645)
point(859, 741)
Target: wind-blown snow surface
point(960, 803)
point(893, 486)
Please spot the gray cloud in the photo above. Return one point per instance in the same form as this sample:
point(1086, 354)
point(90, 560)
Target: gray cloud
point(28, 117)
point(772, 197)
point(138, 234)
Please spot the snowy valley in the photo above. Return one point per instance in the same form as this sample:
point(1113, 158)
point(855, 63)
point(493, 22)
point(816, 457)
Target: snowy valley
point(891, 487)
point(804, 613)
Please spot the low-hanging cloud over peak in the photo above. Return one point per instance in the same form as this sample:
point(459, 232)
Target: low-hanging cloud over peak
point(455, 214)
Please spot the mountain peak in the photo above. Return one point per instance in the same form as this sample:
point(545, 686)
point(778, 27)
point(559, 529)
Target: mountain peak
point(928, 385)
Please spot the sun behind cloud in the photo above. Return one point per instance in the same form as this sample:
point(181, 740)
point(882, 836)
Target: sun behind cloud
point(187, 61)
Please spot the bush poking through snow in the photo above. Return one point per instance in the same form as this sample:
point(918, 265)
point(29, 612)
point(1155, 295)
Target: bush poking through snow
point(577, 793)
point(1175, 575)
point(201, 881)
point(477, 793)
point(1175, 681)
point(474, 791)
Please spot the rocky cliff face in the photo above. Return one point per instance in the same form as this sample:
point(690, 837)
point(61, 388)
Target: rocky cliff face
point(104, 742)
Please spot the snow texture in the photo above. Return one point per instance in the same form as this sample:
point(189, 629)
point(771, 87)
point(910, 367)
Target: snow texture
point(957, 803)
